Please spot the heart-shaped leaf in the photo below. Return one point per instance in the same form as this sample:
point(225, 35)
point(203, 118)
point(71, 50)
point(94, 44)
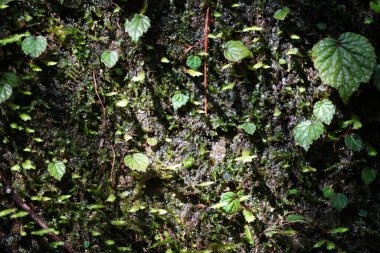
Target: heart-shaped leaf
point(231, 200)
point(344, 63)
point(193, 61)
point(282, 13)
point(5, 92)
point(57, 169)
point(11, 79)
point(34, 46)
point(109, 58)
point(306, 132)
point(236, 51)
point(324, 111)
point(354, 142)
point(339, 201)
point(179, 100)
point(138, 162)
point(137, 26)
point(248, 127)
point(369, 175)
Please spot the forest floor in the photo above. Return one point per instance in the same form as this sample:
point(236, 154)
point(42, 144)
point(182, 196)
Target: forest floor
point(91, 117)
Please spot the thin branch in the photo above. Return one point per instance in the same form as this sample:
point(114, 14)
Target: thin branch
point(32, 214)
point(189, 48)
point(104, 113)
point(113, 168)
point(207, 20)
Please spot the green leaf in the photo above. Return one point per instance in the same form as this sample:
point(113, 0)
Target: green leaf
point(138, 162)
point(376, 77)
point(25, 117)
point(34, 46)
point(363, 213)
point(5, 92)
point(13, 38)
point(57, 169)
point(295, 218)
point(319, 243)
point(282, 13)
point(11, 79)
point(339, 230)
point(44, 231)
point(328, 192)
point(330, 245)
point(248, 127)
point(193, 72)
point(28, 165)
point(339, 201)
point(137, 26)
point(344, 63)
point(248, 216)
point(152, 141)
point(369, 175)
point(248, 235)
point(111, 198)
point(118, 222)
point(354, 142)
point(19, 214)
point(179, 100)
point(7, 212)
point(306, 132)
point(193, 62)
point(231, 200)
point(324, 111)
point(375, 6)
point(96, 206)
point(245, 157)
point(140, 77)
point(236, 51)
point(109, 58)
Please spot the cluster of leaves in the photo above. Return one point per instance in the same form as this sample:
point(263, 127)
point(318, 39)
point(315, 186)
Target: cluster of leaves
point(306, 132)
point(342, 64)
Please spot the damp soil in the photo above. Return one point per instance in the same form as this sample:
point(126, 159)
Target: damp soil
point(67, 115)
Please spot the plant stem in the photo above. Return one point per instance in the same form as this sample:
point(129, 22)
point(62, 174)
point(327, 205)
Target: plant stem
point(32, 214)
point(205, 65)
point(144, 8)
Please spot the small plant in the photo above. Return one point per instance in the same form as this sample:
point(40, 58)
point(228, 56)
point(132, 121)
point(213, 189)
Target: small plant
point(306, 132)
point(354, 142)
point(34, 46)
point(137, 26)
point(281, 14)
point(248, 127)
point(344, 63)
point(337, 200)
point(57, 169)
point(230, 201)
point(109, 58)
point(369, 175)
point(236, 51)
point(137, 161)
point(8, 81)
point(179, 100)
point(193, 62)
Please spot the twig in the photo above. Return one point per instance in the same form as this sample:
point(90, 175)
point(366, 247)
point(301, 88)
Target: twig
point(189, 48)
point(32, 214)
point(104, 122)
point(113, 168)
point(205, 65)
point(104, 113)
